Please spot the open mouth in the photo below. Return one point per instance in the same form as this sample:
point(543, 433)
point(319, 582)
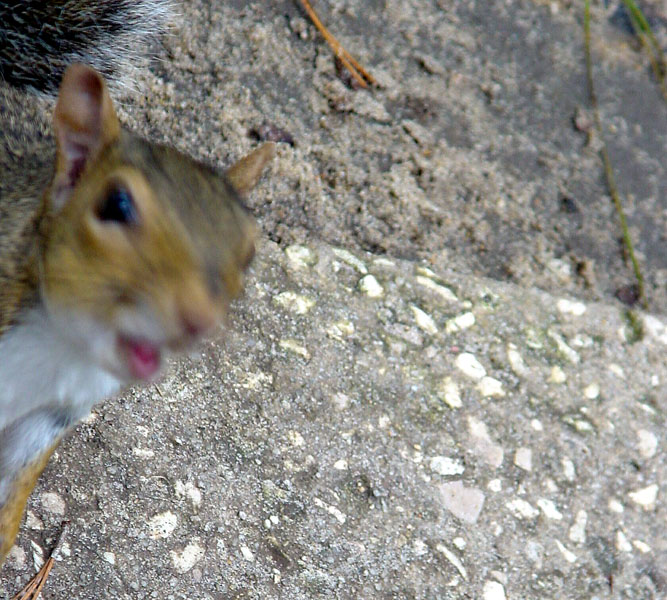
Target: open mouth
point(143, 358)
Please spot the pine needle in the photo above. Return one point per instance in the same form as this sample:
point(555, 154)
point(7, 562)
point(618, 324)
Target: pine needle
point(360, 75)
point(34, 587)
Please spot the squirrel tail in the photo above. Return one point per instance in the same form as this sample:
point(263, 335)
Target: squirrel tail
point(39, 39)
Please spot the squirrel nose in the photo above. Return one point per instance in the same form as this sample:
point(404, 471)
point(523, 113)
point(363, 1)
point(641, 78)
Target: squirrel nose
point(197, 321)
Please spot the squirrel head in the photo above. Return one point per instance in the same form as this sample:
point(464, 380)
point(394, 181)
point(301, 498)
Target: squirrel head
point(142, 248)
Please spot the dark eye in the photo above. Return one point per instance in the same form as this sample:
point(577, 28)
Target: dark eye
point(118, 206)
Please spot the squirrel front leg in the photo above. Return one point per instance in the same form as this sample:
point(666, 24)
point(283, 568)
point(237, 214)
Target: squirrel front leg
point(25, 449)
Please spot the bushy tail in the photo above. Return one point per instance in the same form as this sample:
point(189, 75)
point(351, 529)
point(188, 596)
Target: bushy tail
point(39, 39)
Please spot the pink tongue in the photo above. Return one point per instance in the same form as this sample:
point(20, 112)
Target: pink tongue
point(144, 359)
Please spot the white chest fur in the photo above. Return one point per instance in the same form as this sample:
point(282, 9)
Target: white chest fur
point(39, 366)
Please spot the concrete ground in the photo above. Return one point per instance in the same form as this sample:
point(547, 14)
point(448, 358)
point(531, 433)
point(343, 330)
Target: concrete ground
point(430, 389)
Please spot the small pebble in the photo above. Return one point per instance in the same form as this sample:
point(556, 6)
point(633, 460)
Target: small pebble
point(523, 458)
point(622, 542)
point(463, 502)
point(463, 321)
point(569, 556)
point(162, 525)
point(444, 465)
point(53, 503)
point(577, 532)
point(188, 558)
point(247, 553)
point(469, 365)
point(592, 391)
point(647, 443)
point(567, 307)
point(557, 375)
point(522, 509)
point(549, 509)
point(448, 392)
point(516, 361)
point(493, 591)
point(370, 286)
point(490, 387)
point(424, 321)
point(645, 497)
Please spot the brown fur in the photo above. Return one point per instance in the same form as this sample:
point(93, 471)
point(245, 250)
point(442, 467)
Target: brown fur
point(184, 255)
point(12, 510)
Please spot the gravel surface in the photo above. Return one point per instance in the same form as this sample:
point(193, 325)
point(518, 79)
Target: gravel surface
point(429, 389)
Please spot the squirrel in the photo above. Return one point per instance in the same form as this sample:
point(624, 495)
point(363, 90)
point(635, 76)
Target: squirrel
point(114, 251)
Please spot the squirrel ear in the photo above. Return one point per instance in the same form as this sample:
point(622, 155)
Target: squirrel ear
point(85, 122)
point(245, 173)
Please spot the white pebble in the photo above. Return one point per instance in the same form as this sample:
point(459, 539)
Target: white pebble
point(294, 303)
point(295, 438)
point(247, 553)
point(448, 392)
point(32, 521)
point(495, 485)
point(645, 497)
point(493, 591)
point(491, 453)
point(622, 542)
point(536, 425)
point(470, 366)
point(463, 502)
point(563, 348)
point(444, 465)
point(491, 387)
point(523, 458)
point(444, 292)
point(452, 558)
point(617, 370)
point(347, 257)
point(162, 526)
point(188, 558)
point(567, 307)
point(647, 443)
point(570, 557)
point(557, 375)
point(516, 361)
point(16, 557)
point(370, 286)
point(294, 347)
point(592, 391)
point(143, 452)
point(459, 542)
point(188, 490)
point(568, 469)
point(109, 557)
point(549, 509)
point(300, 256)
point(340, 330)
point(424, 321)
point(420, 547)
point(577, 532)
point(460, 322)
point(522, 510)
point(643, 547)
point(340, 465)
point(53, 503)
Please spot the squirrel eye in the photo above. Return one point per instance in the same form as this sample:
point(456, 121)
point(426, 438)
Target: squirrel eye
point(118, 206)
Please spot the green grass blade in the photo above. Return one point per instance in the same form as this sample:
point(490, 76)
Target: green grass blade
point(608, 170)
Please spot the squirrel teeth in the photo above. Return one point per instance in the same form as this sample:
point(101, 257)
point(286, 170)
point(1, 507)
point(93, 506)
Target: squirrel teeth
point(143, 358)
